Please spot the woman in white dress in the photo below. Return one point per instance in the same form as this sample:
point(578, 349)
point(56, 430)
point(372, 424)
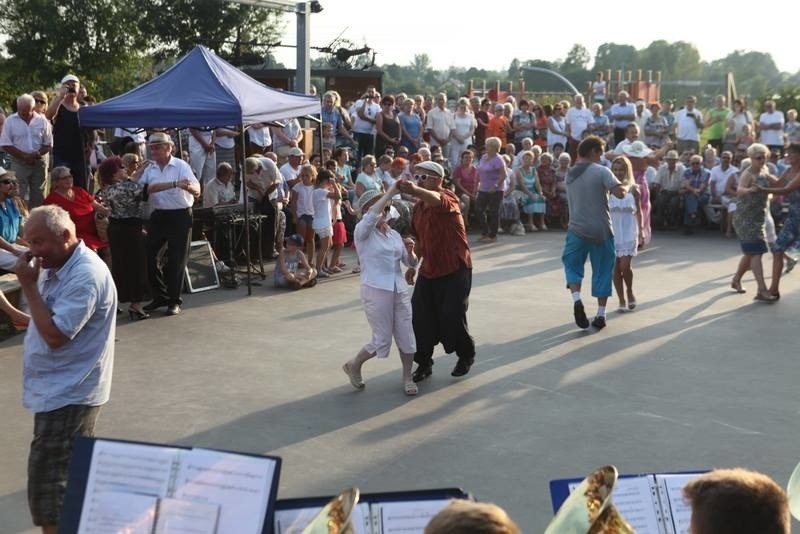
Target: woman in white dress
point(626, 220)
point(384, 291)
point(461, 136)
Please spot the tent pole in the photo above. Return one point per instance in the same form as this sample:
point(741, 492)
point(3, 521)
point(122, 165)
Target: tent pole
point(180, 143)
point(321, 152)
point(246, 211)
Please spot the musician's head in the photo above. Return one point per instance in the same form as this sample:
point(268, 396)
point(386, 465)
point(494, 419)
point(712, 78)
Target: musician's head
point(224, 172)
point(737, 501)
point(467, 517)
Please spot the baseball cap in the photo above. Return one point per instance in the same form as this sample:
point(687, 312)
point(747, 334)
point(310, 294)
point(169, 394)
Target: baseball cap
point(295, 151)
point(672, 154)
point(296, 239)
point(70, 78)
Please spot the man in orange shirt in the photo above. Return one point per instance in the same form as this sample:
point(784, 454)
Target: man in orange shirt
point(441, 294)
point(498, 125)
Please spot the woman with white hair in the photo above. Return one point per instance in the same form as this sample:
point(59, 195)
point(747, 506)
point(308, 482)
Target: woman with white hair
point(491, 185)
point(384, 291)
point(749, 218)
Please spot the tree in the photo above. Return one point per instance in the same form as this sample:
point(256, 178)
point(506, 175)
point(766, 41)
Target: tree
point(236, 32)
point(98, 40)
point(615, 57)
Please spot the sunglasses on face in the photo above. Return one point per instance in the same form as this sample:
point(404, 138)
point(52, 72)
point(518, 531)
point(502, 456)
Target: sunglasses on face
point(420, 177)
point(8, 182)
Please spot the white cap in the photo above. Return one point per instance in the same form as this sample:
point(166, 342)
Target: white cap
point(70, 78)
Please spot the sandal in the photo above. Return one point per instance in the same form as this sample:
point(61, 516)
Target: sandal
point(736, 285)
point(410, 389)
point(355, 378)
point(334, 270)
point(765, 297)
point(631, 304)
point(356, 269)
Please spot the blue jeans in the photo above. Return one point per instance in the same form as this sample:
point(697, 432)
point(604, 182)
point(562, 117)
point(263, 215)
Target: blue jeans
point(692, 203)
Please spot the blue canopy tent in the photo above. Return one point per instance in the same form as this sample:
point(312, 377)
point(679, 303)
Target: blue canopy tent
point(201, 90)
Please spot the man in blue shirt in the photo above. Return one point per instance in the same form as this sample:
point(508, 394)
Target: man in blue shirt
point(68, 353)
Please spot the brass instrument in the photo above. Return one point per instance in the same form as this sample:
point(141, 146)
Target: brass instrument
point(334, 518)
point(588, 509)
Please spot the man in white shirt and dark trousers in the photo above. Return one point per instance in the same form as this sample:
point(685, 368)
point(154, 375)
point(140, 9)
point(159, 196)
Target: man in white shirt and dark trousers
point(28, 138)
point(687, 127)
point(170, 223)
point(770, 127)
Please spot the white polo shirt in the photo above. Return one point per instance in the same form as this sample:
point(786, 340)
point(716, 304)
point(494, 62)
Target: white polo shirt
point(174, 171)
point(686, 126)
point(28, 137)
point(578, 120)
point(769, 137)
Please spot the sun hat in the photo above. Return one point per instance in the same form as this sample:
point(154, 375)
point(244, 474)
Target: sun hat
point(295, 151)
point(159, 138)
point(70, 78)
point(672, 154)
point(637, 149)
point(366, 198)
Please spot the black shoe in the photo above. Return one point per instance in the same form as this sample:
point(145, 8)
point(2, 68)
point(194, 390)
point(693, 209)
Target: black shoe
point(599, 322)
point(580, 316)
point(462, 367)
point(422, 372)
point(173, 309)
point(156, 304)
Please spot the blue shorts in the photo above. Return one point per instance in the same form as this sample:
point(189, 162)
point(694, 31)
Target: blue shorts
point(307, 219)
point(601, 255)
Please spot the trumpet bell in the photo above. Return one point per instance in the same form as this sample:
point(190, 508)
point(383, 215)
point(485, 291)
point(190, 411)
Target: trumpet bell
point(334, 518)
point(588, 509)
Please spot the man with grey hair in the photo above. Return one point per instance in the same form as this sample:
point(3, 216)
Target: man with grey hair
point(219, 191)
point(622, 114)
point(68, 352)
point(440, 123)
point(28, 138)
point(578, 119)
point(687, 127)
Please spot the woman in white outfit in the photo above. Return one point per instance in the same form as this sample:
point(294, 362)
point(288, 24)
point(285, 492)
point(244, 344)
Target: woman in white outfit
point(384, 292)
point(626, 220)
point(461, 136)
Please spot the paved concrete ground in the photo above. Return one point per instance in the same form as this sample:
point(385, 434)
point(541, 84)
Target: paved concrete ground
point(696, 377)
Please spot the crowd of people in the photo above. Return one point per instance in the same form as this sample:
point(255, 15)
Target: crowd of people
point(402, 179)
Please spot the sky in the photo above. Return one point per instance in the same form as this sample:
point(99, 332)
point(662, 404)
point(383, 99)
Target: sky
point(448, 31)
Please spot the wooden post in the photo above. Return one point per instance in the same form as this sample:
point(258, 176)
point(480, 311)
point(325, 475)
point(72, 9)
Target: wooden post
point(469, 89)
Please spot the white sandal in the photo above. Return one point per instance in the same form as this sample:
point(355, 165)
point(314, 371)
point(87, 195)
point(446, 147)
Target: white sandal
point(410, 389)
point(355, 378)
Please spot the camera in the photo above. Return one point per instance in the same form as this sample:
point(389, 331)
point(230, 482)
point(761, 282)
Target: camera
point(72, 89)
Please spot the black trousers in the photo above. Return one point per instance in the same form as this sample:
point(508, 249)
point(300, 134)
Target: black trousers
point(439, 307)
point(487, 209)
point(171, 229)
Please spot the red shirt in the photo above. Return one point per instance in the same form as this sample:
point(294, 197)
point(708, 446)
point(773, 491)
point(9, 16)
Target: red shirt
point(441, 237)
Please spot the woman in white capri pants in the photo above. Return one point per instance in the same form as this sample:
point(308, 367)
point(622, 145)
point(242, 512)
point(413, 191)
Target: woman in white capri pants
point(384, 292)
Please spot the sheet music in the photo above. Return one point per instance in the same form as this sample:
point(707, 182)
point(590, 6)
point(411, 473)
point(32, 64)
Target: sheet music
point(293, 521)
point(113, 512)
point(240, 485)
point(671, 487)
point(120, 472)
point(407, 517)
point(186, 517)
point(635, 500)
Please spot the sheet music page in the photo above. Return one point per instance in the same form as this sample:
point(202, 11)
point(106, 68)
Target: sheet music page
point(239, 484)
point(634, 500)
point(114, 512)
point(680, 511)
point(121, 471)
point(408, 517)
point(295, 520)
point(186, 517)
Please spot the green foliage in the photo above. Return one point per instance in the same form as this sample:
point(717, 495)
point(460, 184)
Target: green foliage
point(239, 33)
point(97, 40)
